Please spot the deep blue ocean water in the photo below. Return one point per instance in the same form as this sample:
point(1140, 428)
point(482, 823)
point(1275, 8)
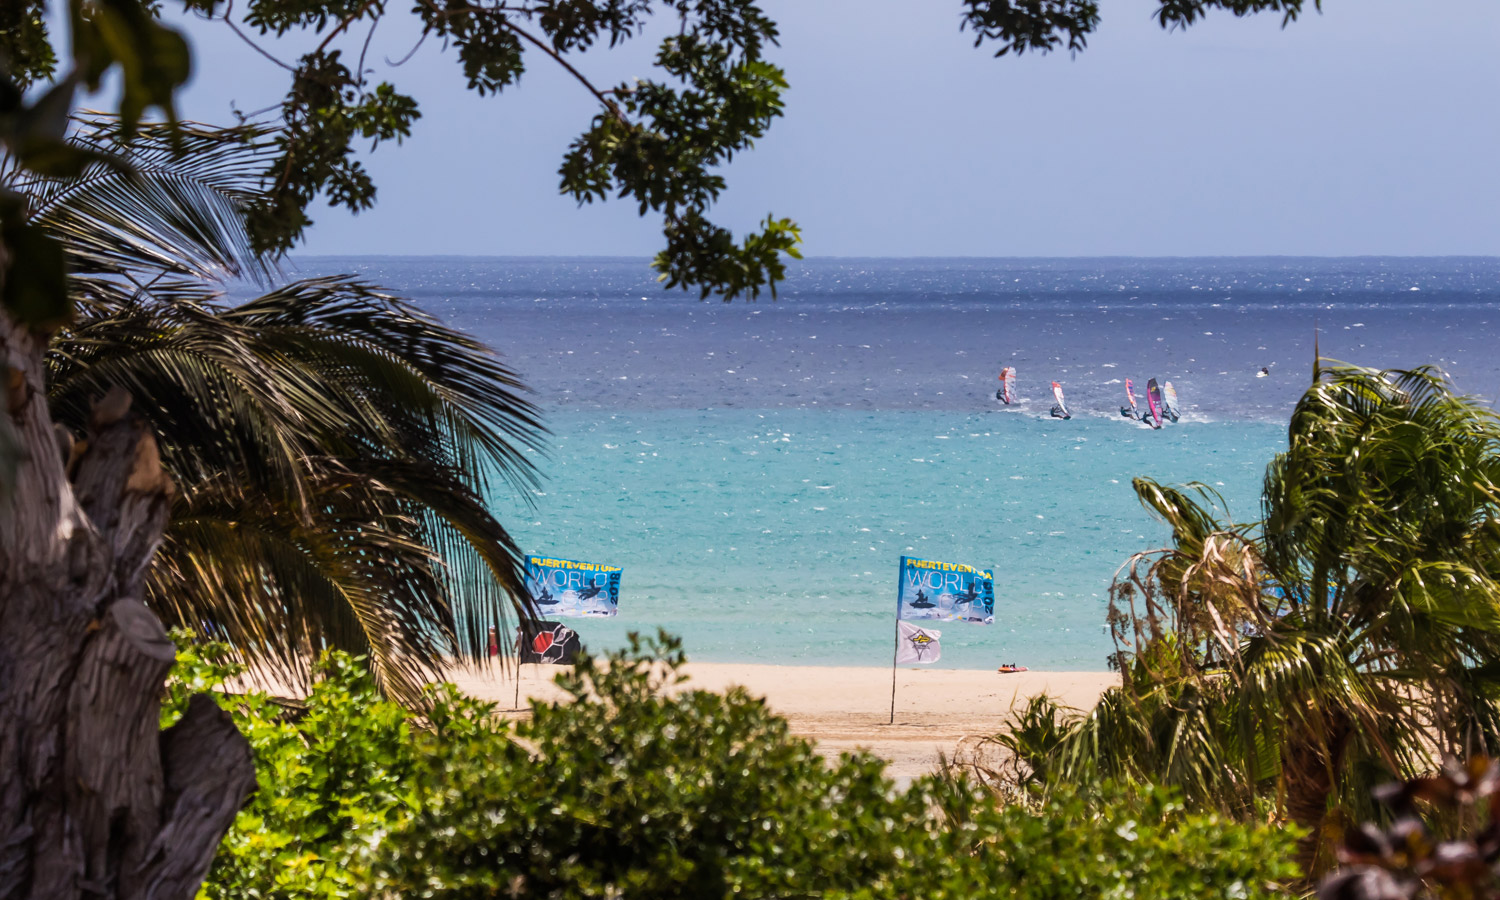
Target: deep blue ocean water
point(759, 468)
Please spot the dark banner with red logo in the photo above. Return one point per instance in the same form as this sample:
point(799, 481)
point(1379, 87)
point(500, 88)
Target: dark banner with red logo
point(548, 642)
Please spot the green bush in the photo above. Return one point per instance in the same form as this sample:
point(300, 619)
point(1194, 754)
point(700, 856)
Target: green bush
point(633, 791)
point(1117, 842)
point(332, 777)
point(640, 789)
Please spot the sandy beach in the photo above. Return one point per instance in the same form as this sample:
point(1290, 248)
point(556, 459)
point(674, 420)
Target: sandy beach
point(847, 708)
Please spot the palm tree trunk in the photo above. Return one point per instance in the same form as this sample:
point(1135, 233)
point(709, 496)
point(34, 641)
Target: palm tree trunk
point(1309, 765)
point(96, 800)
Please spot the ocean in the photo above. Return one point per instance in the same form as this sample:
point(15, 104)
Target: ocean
point(758, 469)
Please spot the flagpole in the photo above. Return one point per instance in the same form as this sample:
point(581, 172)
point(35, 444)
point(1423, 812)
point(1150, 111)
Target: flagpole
point(520, 640)
point(895, 649)
point(896, 638)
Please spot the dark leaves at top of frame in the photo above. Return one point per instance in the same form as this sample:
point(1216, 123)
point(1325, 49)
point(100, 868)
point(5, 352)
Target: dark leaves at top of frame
point(1038, 25)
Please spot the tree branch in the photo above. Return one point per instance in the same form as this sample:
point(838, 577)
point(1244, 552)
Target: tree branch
point(348, 20)
point(366, 49)
point(410, 53)
point(228, 20)
point(609, 104)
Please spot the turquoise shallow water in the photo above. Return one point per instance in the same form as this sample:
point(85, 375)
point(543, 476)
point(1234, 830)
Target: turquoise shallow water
point(773, 536)
point(759, 468)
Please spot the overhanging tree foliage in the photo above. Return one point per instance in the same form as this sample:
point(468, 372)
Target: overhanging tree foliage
point(1045, 25)
point(658, 142)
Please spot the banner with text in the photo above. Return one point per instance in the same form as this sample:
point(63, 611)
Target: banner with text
point(946, 592)
point(566, 587)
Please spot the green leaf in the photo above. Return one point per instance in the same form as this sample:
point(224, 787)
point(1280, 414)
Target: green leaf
point(36, 289)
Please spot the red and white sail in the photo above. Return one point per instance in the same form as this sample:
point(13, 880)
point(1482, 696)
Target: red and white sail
point(1008, 385)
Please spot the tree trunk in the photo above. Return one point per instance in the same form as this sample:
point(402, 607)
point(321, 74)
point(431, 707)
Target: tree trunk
point(96, 801)
point(1309, 765)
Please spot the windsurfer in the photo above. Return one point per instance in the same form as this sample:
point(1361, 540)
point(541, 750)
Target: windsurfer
point(1169, 401)
point(1006, 393)
point(1060, 411)
point(1130, 412)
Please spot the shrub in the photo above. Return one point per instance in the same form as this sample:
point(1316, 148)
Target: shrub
point(638, 788)
point(631, 790)
point(331, 779)
point(1119, 842)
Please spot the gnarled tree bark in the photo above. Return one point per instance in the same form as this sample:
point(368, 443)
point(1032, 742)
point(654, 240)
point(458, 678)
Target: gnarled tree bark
point(96, 801)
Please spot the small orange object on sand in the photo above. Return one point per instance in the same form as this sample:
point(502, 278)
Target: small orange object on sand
point(1006, 670)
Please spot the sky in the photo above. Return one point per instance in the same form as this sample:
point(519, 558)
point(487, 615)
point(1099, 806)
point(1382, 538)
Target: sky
point(1370, 129)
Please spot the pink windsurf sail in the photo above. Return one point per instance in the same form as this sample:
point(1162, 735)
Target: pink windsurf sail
point(1153, 403)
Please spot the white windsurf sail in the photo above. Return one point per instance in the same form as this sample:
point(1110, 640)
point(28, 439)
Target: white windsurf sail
point(1057, 394)
point(1169, 395)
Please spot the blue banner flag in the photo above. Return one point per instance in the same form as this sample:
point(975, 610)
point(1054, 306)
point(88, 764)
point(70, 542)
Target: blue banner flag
point(566, 587)
point(946, 592)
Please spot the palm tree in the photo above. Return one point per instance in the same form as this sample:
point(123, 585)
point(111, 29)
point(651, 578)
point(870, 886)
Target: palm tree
point(332, 446)
point(1351, 636)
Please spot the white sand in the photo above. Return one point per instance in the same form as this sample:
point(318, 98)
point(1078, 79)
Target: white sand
point(843, 708)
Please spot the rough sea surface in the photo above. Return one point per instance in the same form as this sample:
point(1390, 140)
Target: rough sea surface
point(759, 468)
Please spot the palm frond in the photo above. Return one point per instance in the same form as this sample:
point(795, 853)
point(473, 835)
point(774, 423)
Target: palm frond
point(177, 207)
point(440, 386)
point(350, 438)
point(278, 588)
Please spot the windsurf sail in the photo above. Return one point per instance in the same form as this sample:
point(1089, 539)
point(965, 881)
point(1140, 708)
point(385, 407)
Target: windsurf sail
point(1169, 395)
point(1131, 411)
point(1008, 385)
point(1061, 406)
point(1153, 403)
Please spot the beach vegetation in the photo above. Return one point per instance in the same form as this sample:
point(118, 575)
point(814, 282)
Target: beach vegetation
point(1028, 744)
point(637, 785)
point(1348, 637)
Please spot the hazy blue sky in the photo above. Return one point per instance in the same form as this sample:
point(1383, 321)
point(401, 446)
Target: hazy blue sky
point(1369, 129)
